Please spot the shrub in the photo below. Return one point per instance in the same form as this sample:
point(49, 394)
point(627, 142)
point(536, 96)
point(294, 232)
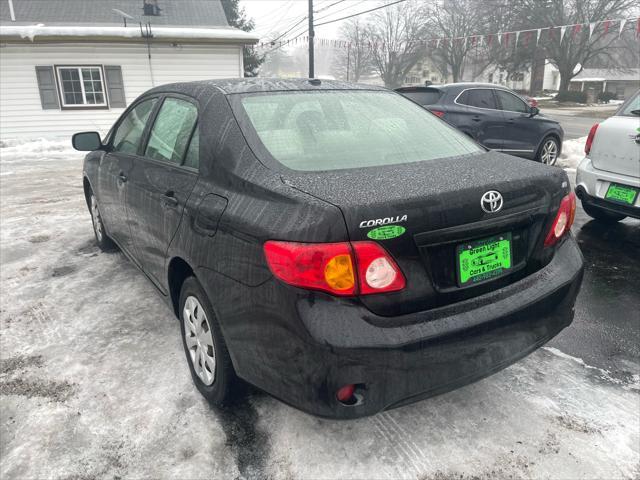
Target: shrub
point(604, 97)
point(571, 96)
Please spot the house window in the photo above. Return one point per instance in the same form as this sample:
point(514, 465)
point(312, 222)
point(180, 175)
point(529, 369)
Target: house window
point(81, 86)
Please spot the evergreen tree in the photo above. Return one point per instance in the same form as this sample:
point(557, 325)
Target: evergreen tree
point(236, 17)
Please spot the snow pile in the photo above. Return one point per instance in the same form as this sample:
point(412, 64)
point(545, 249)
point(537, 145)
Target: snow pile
point(20, 150)
point(572, 153)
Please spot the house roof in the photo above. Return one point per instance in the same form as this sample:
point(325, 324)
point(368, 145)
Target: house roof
point(184, 13)
point(608, 74)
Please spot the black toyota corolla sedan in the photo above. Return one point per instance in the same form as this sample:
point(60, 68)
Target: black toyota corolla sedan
point(335, 245)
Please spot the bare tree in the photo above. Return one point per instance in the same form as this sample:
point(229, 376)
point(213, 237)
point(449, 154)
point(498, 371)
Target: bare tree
point(355, 60)
point(395, 35)
point(457, 21)
point(576, 48)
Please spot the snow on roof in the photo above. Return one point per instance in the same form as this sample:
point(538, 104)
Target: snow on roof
point(41, 32)
point(608, 74)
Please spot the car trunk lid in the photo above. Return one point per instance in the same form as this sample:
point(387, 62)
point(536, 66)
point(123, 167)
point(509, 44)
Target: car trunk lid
point(614, 147)
point(421, 212)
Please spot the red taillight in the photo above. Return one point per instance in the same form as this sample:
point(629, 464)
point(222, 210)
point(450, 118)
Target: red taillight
point(377, 272)
point(563, 221)
point(338, 268)
point(438, 113)
point(592, 134)
point(345, 394)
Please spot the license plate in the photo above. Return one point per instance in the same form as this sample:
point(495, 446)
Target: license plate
point(621, 194)
point(483, 260)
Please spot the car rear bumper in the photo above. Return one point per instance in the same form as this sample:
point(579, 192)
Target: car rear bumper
point(592, 185)
point(399, 360)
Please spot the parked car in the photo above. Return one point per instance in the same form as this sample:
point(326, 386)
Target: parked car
point(335, 245)
point(608, 178)
point(494, 116)
point(532, 102)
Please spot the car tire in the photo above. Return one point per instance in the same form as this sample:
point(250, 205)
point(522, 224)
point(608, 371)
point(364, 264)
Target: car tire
point(204, 346)
point(103, 240)
point(549, 151)
point(602, 215)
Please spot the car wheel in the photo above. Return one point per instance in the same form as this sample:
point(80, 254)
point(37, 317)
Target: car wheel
point(102, 239)
point(549, 151)
point(602, 215)
point(204, 345)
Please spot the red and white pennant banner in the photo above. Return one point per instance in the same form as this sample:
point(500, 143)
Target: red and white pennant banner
point(504, 39)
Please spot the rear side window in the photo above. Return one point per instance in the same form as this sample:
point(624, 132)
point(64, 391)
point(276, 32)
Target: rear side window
point(511, 103)
point(423, 97)
point(632, 108)
point(172, 131)
point(128, 135)
point(331, 130)
point(479, 98)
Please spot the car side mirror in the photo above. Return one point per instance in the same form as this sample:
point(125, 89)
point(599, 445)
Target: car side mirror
point(86, 141)
point(533, 111)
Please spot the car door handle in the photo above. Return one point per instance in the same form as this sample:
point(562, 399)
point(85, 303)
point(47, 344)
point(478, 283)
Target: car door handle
point(122, 177)
point(169, 199)
point(476, 118)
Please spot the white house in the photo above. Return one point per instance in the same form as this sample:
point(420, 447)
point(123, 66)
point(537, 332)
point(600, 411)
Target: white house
point(70, 65)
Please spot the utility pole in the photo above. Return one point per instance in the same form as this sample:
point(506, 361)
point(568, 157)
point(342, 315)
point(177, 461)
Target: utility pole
point(311, 35)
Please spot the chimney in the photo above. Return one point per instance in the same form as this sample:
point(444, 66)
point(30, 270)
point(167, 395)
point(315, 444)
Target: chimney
point(151, 8)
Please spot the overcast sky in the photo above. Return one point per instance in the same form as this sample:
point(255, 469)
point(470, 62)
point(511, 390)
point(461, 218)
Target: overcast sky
point(279, 15)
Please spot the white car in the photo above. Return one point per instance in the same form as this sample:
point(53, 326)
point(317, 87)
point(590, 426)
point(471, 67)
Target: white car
point(608, 178)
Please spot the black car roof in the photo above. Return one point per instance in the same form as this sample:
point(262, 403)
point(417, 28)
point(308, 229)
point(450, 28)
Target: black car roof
point(249, 85)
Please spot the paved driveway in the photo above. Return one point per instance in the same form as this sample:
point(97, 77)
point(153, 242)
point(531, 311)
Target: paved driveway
point(93, 383)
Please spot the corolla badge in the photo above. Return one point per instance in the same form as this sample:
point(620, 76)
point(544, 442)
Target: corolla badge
point(491, 201)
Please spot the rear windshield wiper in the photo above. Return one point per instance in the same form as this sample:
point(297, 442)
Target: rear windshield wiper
point(635, 112)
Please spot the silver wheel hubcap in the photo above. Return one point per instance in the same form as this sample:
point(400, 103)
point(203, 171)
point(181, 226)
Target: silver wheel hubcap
point(197, 334)
point(95, 218)
point(549, 152)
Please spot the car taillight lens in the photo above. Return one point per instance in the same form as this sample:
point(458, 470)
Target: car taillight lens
point(377, 272)
point(438, 113)
point(332, 267)
point(563, 221)
point(590, 137)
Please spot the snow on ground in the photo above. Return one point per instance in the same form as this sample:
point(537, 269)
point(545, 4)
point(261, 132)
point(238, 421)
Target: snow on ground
point(572, 153)
point(94, 384)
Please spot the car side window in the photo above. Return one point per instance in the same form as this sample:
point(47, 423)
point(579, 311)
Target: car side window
point(128, 135)
point(511, 103)
point(192, 158)
point(479, 98)
point(172, 130)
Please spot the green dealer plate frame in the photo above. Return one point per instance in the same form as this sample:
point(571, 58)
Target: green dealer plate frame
point(621, 194)
point(484, 260)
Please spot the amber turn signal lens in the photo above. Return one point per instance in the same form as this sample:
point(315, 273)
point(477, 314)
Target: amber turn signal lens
point(338, 273)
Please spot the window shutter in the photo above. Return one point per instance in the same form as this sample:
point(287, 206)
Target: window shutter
point(47, 87)
point(115, 86)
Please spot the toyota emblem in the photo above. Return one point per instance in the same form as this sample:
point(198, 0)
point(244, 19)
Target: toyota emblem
point(491, 202)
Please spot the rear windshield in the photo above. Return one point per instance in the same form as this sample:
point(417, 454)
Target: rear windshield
point(331, 130)
point(631, 108)
point(422, 97)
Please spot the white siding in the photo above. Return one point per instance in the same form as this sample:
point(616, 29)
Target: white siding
point(21, 113)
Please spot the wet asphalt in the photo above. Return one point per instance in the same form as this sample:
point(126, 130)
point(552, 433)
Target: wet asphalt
point(606, 329)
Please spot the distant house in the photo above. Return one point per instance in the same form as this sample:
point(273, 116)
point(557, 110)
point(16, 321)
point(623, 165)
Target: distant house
point(70, 65)
point(621, 82)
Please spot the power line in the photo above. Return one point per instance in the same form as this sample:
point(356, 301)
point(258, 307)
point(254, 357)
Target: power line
point(341, 10)
point(292, 28)
point(360, 13)
point(329, 6)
